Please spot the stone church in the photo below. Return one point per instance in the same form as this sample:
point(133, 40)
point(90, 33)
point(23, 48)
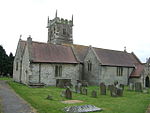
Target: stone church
point(60, 60)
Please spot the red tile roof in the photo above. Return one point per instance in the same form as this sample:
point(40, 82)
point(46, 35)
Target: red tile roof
point(50, 53)
point(115, 58)
point(79, 50)
point(137, 71)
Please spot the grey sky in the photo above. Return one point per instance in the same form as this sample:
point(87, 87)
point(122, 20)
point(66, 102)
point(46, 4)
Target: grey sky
point(110, 24)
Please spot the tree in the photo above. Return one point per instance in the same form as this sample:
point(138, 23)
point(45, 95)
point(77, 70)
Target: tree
point(10, 64)
point(6, 62)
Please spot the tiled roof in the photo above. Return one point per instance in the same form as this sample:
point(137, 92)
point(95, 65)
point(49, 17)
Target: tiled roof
point(138, 71)
point(115, 58)
point(50, 53)
point(79, 50)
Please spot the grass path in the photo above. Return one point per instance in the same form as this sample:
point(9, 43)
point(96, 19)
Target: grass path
point(131, 102)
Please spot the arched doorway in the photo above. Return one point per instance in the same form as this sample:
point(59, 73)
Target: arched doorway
point(147, 83)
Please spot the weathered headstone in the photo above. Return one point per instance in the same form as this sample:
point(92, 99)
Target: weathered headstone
point(138, 87)
point(79, 87)
point(63, 93)
point(131, 86)
point(102, 89)
point(68, 93)
point(108, 87)
point(94, 94)
point(119, 92)
point(113, 91)
point(122, 86)
point(84, 91)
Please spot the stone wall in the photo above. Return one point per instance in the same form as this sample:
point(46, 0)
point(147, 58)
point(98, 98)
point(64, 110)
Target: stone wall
point(92, 76)
point(26, 70)
point(17, 61)
point(100, 73)
point(45, 73)
point(108, 75)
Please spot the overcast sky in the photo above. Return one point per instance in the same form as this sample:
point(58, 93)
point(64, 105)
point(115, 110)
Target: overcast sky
point(109, 24)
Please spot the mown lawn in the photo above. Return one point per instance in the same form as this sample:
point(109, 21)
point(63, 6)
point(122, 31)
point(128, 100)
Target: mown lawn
point(131, 102)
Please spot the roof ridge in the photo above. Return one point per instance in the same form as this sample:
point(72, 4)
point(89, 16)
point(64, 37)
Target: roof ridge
point(112, 50)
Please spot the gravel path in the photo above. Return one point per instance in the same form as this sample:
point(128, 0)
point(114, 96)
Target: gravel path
point(11, 102)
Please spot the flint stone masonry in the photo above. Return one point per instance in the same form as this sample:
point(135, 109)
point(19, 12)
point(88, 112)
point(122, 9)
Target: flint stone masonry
point(100, 73)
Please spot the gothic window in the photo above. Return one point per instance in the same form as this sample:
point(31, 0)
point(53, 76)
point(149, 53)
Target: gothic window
point(64, 31)
point(89, 66)
point(119, 71)
point(16, 66)
point(58, 71)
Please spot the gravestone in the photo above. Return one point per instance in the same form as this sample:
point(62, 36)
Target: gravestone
point(102, 89)
point(131, 86)
point(94, 94)
point(122, 86)
point(108, 87)
point(63, 93)
point(113, 91)
point(119, 92)
point(68, 93)
point(84, 91)
point(138, 87)
point(81, 109)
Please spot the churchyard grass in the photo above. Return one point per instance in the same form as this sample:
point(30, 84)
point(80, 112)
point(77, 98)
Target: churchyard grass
point(5, 78)
point(131, 102)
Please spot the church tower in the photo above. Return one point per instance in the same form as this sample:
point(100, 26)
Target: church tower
point(60, 30)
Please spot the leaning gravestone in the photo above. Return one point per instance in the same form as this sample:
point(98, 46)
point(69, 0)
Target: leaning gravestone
point(138, 87)
point(68, 93)
point(94, 94)
point(102, 89)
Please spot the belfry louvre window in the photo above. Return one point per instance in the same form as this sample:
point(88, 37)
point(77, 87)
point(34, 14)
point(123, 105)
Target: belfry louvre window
point(89, 66)
point(58, 71)
point(119, 71)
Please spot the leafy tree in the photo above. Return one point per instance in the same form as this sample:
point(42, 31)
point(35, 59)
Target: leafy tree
point(6, 62)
